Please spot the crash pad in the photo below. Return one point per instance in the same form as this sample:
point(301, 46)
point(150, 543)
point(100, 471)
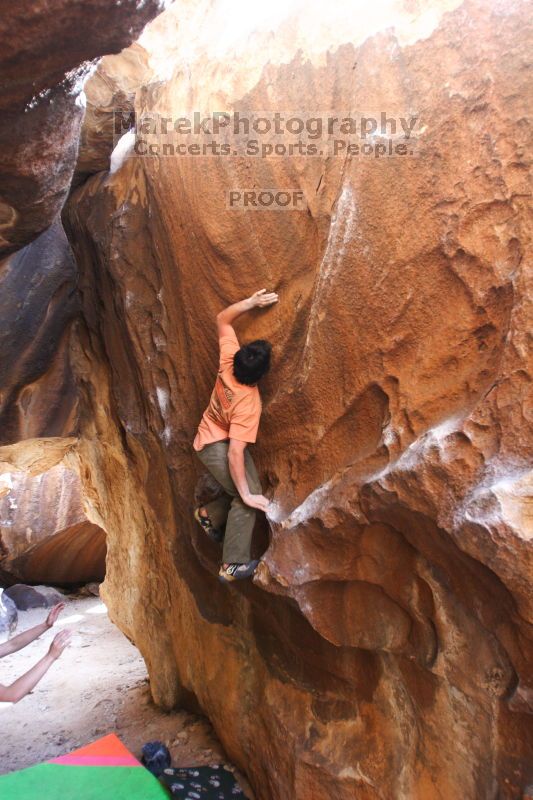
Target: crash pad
point(102, 770)
point(214, 782)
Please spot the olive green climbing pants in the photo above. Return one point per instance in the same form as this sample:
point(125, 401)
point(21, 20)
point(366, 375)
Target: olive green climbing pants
point(229, 508)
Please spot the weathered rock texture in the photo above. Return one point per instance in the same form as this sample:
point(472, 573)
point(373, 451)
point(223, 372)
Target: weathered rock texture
point(385, 648)
point(44, 532)
point(46, 49)
point(110, 93)
point(38, 303)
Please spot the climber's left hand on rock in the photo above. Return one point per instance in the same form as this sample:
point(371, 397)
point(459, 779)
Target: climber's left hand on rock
point(262, 298)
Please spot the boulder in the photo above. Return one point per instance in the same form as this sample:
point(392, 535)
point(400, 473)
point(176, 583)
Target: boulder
point(38, 303)
point(47, 49)
point(51, 594)
point(26, 597)
point(45, 534)
point(110, 91)
point(384, 648)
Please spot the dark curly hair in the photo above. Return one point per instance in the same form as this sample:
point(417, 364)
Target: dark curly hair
point(252, 361)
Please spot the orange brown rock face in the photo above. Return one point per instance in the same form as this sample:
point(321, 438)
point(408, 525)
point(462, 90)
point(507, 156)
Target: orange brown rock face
point(384, 648)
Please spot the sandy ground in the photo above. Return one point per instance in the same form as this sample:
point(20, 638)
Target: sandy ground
point(98, 686)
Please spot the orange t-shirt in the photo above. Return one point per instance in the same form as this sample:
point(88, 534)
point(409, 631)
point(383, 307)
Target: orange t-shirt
point(234, 409)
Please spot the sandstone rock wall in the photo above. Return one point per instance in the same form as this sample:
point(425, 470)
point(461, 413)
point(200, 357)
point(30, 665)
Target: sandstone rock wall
point(385, 647)
point(38, 303)
point(44, 533)
point(111, 91)
point(47, 50)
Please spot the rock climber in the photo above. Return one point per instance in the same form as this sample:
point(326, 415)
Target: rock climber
point(228, 426)
point(27, 682)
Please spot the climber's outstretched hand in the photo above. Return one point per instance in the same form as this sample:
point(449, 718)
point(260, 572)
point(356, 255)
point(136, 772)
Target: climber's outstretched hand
point(263, 298)
point(226, 318)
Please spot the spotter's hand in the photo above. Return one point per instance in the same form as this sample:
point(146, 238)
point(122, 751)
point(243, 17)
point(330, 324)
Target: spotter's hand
point(53, 615)
point(61, 640)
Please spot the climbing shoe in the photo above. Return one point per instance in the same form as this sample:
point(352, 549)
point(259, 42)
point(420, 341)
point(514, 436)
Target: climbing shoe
point(214, 533)
point(237, 572)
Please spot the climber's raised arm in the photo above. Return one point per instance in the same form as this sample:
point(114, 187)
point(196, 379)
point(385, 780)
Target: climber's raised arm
point(226, 317)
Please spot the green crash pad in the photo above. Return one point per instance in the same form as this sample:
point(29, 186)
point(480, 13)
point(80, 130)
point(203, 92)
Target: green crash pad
point(104, 770)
